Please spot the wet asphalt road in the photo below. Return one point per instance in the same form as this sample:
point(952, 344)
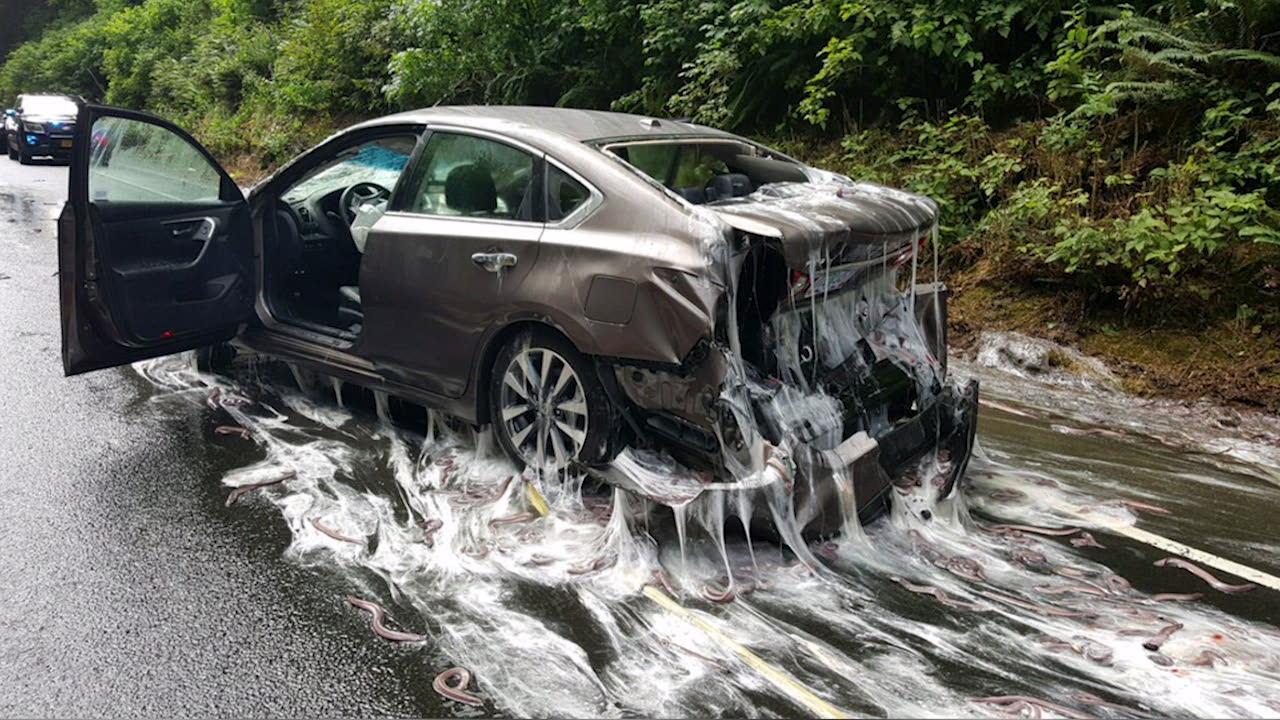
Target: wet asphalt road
point(128, 588)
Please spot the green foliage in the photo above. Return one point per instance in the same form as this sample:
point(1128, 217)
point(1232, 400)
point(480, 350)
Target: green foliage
point(1154, 247)
point(224, 68)
point(67, 58)
point(828, 61)
point(141, 37)
point(542, 52)
point(333, 57)
point(1179, 54)
point(1127, 152)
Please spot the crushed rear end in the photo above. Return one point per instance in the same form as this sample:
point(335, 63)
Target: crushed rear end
point(825, 381)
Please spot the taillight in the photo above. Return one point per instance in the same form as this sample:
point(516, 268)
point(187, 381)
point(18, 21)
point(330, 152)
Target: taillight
point(904, 255)
point(799, 286)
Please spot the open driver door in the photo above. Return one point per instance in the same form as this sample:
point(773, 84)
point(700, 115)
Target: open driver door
point(155, 244)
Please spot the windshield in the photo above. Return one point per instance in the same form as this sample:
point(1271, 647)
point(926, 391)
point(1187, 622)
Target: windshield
point(707, 171)
point(379, 162)
point(48, 106)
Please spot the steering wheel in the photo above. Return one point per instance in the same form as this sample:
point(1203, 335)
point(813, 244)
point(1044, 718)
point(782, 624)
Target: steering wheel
point(361, 192)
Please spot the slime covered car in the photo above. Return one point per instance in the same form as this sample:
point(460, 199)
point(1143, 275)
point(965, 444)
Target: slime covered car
point(670, 307)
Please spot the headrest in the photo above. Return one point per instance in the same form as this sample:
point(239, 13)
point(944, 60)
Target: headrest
point(728, 185)
point(470, 189)
point(694, 195)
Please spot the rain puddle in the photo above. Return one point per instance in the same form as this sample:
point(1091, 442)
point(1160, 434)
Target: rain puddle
point(957, 614)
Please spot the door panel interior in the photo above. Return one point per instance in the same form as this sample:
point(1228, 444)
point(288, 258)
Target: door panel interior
point(173, 270)
point(155, 245)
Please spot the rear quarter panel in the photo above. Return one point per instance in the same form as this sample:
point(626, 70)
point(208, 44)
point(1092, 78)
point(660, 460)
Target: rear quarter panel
point(634, 280)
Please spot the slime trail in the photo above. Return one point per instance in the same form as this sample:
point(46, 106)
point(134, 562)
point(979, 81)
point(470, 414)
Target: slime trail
point(832, 628)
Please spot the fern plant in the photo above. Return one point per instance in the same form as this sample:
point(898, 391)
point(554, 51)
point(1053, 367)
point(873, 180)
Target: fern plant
point(1187, 57)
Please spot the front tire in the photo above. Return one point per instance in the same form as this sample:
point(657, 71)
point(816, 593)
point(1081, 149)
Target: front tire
point(547, 405)
point(24, 157)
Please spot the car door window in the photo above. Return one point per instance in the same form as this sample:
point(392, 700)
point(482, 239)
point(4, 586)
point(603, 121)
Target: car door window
point(564, 194)
point(134, 161)
point(468, 176)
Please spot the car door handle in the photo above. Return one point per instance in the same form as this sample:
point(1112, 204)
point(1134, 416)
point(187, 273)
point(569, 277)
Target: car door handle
point(494, 261)
point(199, 230)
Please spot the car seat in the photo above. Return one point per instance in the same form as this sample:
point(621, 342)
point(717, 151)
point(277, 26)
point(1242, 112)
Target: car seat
point(469, 189)
point(728, 185)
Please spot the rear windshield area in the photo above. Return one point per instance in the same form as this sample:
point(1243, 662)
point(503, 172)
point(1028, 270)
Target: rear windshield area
point(708, 171)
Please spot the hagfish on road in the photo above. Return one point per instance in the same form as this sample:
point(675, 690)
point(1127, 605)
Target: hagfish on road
point(378, 616)
point(1205, 575)
point(456, 692)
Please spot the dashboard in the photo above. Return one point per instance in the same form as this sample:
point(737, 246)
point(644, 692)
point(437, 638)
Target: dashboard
point(319, 218)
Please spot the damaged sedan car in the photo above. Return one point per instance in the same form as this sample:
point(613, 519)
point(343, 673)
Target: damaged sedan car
point(670, 307)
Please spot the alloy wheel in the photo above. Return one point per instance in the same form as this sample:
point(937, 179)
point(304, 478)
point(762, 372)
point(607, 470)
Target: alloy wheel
point(543, 408)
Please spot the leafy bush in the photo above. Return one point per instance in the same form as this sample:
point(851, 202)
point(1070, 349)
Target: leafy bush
point(333, 56)
point(541, 52)
point(1155, 246)
point(1126, 153)
point(66, 58)
point(140, 37)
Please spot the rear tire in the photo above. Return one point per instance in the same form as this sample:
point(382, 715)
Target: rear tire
point(552, 421)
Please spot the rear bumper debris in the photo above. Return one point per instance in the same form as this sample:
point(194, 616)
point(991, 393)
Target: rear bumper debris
point(826, 484)
point(868, 467)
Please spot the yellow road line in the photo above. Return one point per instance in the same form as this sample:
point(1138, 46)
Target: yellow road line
point(788, 685)
point(791, 687)
point(1173, 546)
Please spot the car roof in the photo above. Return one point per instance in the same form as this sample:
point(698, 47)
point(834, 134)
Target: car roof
point(531, 122)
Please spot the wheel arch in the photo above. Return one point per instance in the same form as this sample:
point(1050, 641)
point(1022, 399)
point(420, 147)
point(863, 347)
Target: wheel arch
point(484, 373)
